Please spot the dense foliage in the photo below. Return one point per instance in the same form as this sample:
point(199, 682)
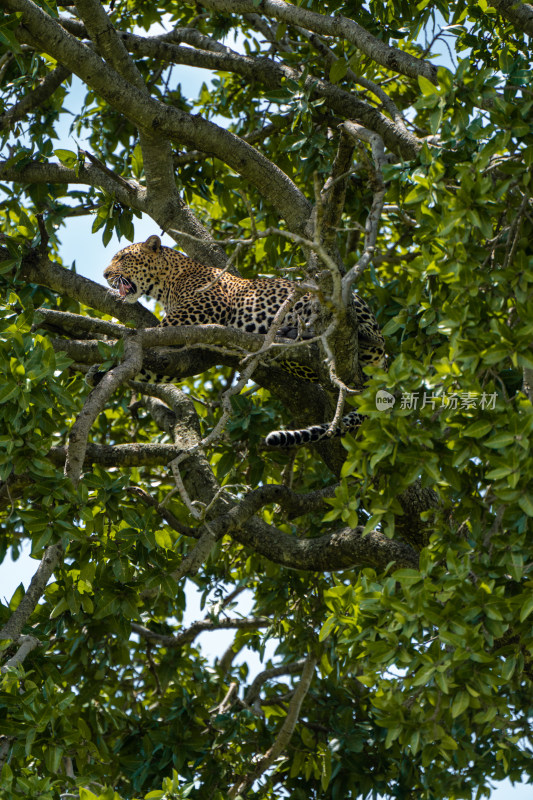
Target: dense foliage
point(388, 575)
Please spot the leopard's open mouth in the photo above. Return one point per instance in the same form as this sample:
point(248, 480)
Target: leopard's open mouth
point(123, 286)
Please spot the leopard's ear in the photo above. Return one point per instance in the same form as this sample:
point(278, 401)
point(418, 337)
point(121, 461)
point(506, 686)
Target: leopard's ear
point(153, 243)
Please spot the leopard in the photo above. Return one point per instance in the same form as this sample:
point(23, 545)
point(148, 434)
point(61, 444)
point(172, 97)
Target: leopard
point(192, 293)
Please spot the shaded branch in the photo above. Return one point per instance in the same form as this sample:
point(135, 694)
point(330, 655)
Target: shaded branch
point(339, 550)
point(135, 454)
point(5, 747)
point(333, 194)
point(34, 98)
point(528, 383)
point(519, 14)
point(261, 678)
point(198, 627)
point(342, 549)
point(284, 736)
point(374, 215)
point(25, 645)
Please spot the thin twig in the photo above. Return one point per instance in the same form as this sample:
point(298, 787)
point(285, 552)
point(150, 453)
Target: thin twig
point(200, 626)
point(374, 216)
point(284, 736)
point(96, 402)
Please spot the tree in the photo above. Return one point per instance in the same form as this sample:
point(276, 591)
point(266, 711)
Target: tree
point(391, 569)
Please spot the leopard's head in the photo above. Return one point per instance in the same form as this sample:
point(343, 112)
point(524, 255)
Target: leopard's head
point(138, 269)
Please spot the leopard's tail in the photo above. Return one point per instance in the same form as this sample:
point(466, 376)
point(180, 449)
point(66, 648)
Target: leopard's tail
point(314, 433)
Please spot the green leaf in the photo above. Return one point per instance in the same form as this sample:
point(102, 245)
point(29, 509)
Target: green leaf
point(8, 391)
point(408, 577)
point(460, 703)
point(500, 440)
point(338, 70)
point(525, 502)
point(426, 86)
point(17, 596)
point(527, 608)
point(329, 625)
point(164, 539)
point(478, 429)
point(67, 158)
point(60, 608)
point(86, 794)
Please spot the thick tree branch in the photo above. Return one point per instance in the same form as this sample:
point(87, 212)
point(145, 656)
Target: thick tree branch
point(519, 14)
point(37, 268)
point(272, 75)
point(128, 193)
point(135, 454)
point(107, 41)
point(152, 116)
point(336, 551)
point(340, 550)
point(198, 244)
point(338, 27)
point(306, 401)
